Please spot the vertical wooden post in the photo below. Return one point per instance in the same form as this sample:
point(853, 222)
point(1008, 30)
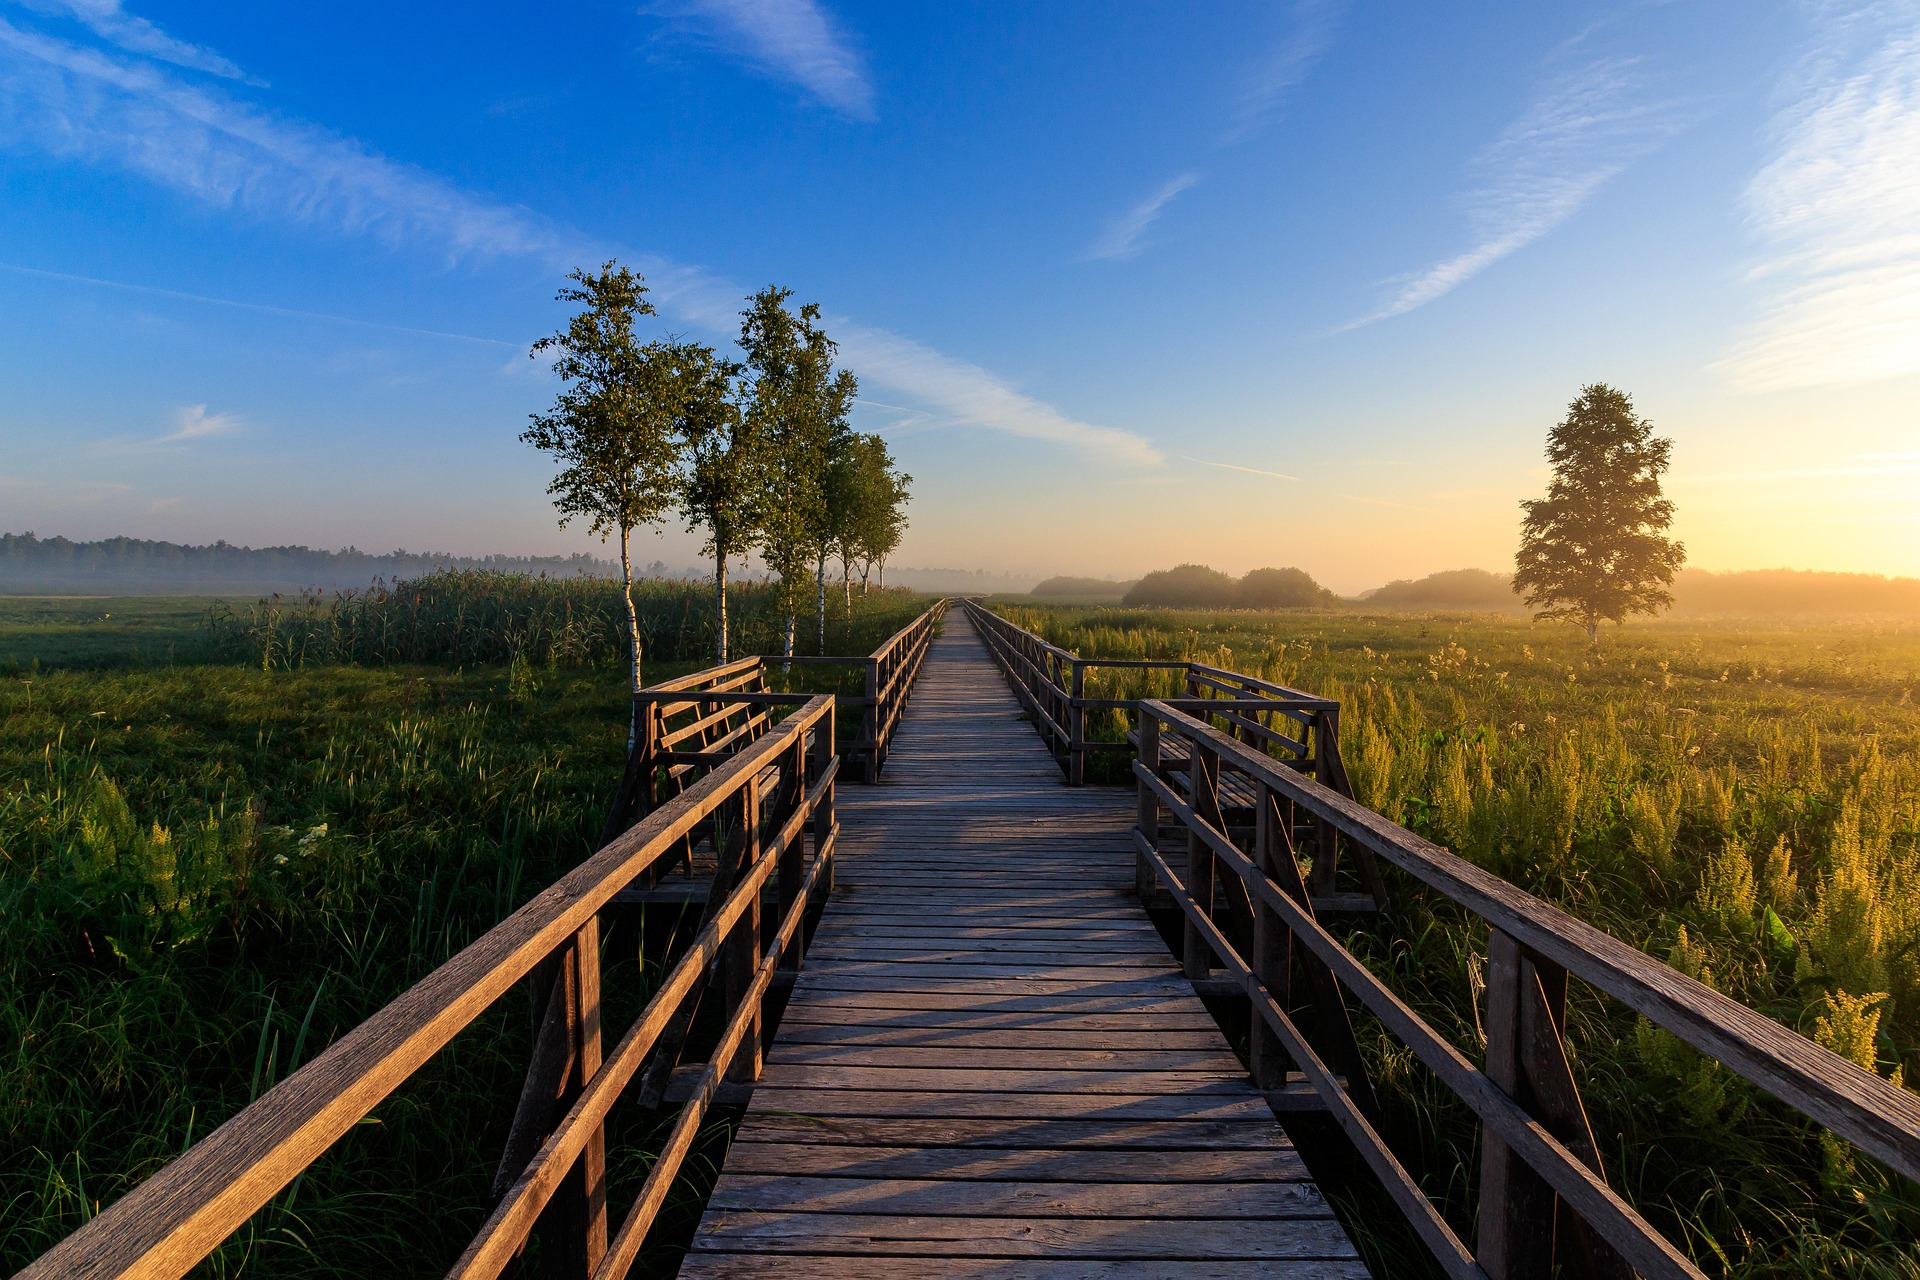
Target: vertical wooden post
point(1077, 727)
point(1515, 1234)
point(743, 942)
point(823, 813)
point(1203, 776)
point(1147, 819)
point(793, 858)
point(574, 1226)
point(871, 723)
point(1326, 849)
point(1272, 958)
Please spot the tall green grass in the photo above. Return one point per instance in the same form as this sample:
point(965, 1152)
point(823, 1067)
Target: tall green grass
point(471, 617)
point(1744, 804)
point(209, 871)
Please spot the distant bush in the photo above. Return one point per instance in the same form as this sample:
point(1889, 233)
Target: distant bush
point(1456, 588)
point(1281, 589)
point(1187, 586)
point(1081, 589)
point(1195, 586)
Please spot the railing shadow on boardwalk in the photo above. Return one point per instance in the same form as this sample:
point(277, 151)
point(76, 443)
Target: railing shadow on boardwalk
point(1235, 783)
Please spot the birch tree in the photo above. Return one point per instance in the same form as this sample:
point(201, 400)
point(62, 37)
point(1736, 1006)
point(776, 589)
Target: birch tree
point(611, 426)
point(725, 472)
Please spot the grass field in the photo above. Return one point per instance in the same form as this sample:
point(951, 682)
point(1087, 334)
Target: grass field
point(212, 867)
point(1743, 802)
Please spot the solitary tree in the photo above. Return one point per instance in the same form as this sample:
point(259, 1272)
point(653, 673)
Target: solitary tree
point(724, 468)
point(1595, 548)
point(611, 427)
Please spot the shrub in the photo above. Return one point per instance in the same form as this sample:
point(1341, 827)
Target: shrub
point(1280, 589)
point(1188, 586)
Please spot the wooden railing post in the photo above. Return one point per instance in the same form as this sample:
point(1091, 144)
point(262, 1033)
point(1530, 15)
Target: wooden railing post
point(1326, 845)
point(793, 858)
point(1077, 727)
point(573, 1228)
point(823, 813)
point(1203, 776)
point(1147, 818)
point(743, 944)
point(1521, 1220)
point(1272, 958)
point(872, 722)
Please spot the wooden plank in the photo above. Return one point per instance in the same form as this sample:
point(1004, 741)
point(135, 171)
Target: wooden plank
point(1255, 1133)
point(1131, 1239)
point(825, 1076)
point(822, 1160)
point(742, 1266)
point(999, 1058)
point(1026, 1198)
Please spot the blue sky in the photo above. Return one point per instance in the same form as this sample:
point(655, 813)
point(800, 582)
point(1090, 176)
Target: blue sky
point(1298, 283)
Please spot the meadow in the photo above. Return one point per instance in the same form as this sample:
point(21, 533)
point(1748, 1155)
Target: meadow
point(1742, 800)
point(230, 831)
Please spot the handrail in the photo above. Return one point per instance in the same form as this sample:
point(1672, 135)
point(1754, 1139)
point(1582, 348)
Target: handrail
point(1538, 1151)
point(1050, 683)
point(722, 709)
point(780, 789)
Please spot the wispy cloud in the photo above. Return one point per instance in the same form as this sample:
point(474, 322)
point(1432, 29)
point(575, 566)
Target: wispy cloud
point(191, 422)
point(1589, 119)
point(1838, 209)
point(1121, 238)
point(1234, 466)
point(1313, 23)
point(81, 103)
point(85, 104)
point(971, 394)
point(792, 40)
point(106, 19)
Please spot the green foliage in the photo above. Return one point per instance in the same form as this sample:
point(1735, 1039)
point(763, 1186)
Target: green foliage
point(726, 480)
point(1594, 549)
point(1195, 586)
point(469, 618)
point(1280, 589)
point(209, 873)
point(1743, 803)
point(1186, 586)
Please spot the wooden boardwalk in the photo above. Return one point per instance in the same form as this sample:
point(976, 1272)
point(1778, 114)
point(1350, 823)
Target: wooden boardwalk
point(991, 1065)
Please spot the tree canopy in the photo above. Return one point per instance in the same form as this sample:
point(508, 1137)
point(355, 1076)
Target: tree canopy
point(1595, 548)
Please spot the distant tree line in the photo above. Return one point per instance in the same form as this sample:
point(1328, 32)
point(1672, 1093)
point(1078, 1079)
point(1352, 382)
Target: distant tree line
point(31, 563)
point(756, 452)
point(1195, 586)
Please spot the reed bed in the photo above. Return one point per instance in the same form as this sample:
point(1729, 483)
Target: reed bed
point(1743, 803)
point(209, 871)
point(477, 617)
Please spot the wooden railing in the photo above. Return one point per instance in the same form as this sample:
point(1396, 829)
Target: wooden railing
point(759, 807)
point(1232, 868)
point(683, 727)
point(1051, 685)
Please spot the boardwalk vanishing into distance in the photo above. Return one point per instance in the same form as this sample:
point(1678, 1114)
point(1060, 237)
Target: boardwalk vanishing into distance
point(991, 1064)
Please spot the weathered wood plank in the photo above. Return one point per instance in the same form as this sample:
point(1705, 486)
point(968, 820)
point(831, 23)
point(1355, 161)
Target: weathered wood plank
point(792, 1159)
point(1026, 1198)
point(1131, 1239)
point(740, 1266)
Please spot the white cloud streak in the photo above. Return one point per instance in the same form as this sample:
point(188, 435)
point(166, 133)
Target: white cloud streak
point(1234, 466)
point(1283, 69)
point(106, 19)
point(195, 423)
point(1584, 125)
point(1837, 207)
point(972, 395)
point(79, 103)
point(1121, 238)
point(792, 40)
